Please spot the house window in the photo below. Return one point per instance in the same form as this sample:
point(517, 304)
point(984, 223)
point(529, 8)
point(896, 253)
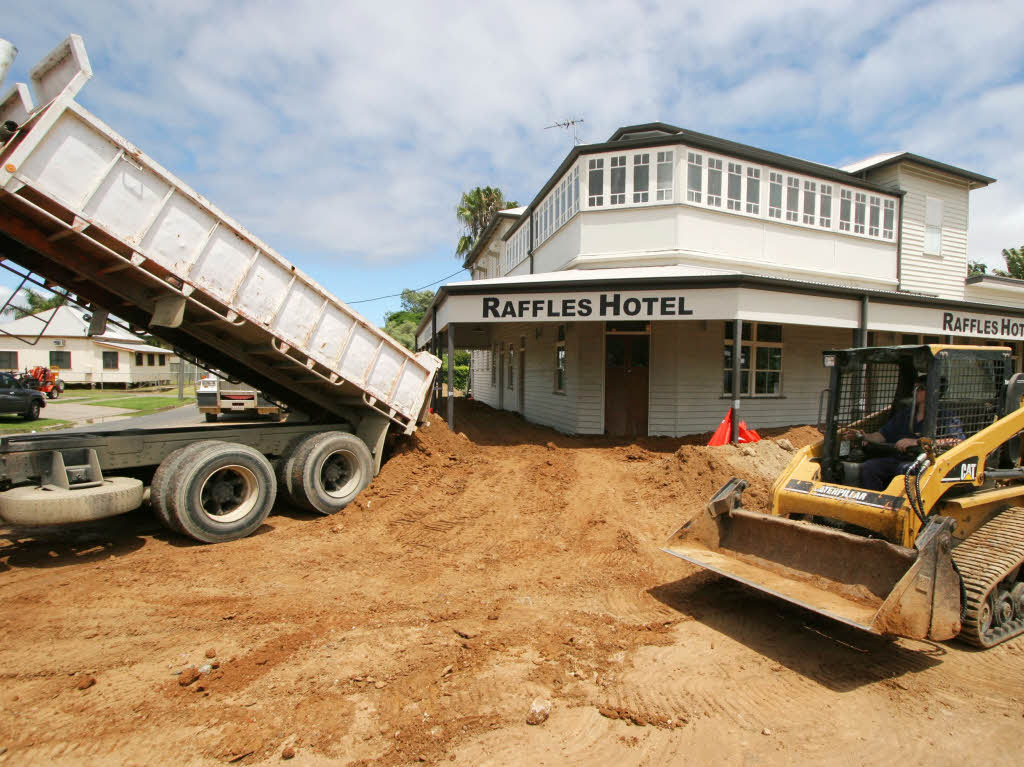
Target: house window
point(809, 195)
point(150, 360)
point(715, 182)
point(560, 361)
point(734, 188)
point(641, 177)
point(617, 183)
point(845, 209)
point(61, 360)
point(825, 208)
point(138, 358)
point(511, 381)
point(933, 226)
point(860, 203)
point(753, 190)
point(664, 178)
point(888, 218)
point(774, 195)
point(595, 183)
point(792, 199)
point(163, 360)
point(694, 169)
point(110, 360)
point(760, 359)
point(8, 360)
point(874, 215)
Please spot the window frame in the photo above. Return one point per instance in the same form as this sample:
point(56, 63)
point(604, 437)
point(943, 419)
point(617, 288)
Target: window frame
point(117, 359)
point(753, 344)
point(60, 352)
point(15, 358)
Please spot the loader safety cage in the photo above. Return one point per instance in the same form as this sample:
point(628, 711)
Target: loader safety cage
point(965, 388)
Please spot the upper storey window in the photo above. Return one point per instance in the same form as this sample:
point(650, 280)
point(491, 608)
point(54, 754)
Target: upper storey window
point(775, 195)
point(665, 176)
point(617, 187)
point(641, 177)
point(715, 182)
point(694, 171)
point(595, 183)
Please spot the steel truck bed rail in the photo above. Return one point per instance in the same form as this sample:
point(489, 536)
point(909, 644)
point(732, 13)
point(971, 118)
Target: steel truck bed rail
point(83, 207)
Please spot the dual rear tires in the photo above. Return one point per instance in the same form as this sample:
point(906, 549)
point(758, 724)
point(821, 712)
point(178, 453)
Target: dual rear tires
point(325, 472)
point(216, 491)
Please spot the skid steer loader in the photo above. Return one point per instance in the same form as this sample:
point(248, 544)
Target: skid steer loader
point(935, 554)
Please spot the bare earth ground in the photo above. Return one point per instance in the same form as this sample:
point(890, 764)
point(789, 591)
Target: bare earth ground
point(480, 570)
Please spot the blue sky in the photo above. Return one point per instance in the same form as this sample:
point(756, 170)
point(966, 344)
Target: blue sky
point(343, 134)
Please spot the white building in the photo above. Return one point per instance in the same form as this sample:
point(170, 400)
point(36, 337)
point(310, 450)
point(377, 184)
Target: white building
point(59, 339)
point(611, 302)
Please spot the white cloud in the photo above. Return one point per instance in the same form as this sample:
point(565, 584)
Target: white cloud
point(348, 131)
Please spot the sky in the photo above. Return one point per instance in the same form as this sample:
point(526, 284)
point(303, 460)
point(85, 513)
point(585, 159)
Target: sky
point(343, 133)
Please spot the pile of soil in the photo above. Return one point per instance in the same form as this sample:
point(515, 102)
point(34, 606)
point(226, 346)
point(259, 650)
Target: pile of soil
point(483, 569)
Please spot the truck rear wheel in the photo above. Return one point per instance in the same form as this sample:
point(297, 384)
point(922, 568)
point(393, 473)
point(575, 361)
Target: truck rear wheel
point(327, 471)
point(160, 487)
point(220, 492)
point(36, 506)
point(210, 417)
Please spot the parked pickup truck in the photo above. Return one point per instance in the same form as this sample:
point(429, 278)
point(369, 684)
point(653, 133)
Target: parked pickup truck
point(216, 397)
point(83, 208)
point(18, 398)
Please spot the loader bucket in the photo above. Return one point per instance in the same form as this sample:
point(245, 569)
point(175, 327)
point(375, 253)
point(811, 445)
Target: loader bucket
point(866, 583)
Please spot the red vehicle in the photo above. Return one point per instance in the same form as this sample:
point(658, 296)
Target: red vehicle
point(44, 380)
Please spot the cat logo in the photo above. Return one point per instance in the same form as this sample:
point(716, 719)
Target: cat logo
point(965, 471)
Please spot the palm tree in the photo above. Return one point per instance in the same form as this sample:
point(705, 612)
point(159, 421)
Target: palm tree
point(475, 211)
point(34, 303)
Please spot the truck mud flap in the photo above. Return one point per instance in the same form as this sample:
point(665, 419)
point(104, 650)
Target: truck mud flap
point(863, 582)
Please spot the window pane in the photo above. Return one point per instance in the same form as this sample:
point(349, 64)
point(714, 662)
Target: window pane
point(825, 211)
point(775, 195)
point(714, 182)
point(845, 209)
point(809, 202)
point(641, 177)
point(769, 358)
point(792, 198)
point(766, 383)
point(735, 189)
point(9, 360)
point(859, 213)
point(694, 168)
point(664, 176)
point(617, 182)
point(595, 189)
point(767, 332)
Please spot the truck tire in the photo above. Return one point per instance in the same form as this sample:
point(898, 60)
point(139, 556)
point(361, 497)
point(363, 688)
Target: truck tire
point(36, 506)
point(221, 492)
point(160, 487)
point(32, 413)
point(210, 417)
point(327, 471)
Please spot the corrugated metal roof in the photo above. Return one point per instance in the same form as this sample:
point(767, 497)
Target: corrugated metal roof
point(67, 322)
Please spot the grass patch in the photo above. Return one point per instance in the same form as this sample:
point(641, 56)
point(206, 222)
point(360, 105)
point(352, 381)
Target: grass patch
point(141, 403)
point(15, 425)
point(86, 396)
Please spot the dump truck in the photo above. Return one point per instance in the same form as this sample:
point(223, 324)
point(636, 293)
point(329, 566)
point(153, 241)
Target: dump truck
point(936, 551)
point(83, 209)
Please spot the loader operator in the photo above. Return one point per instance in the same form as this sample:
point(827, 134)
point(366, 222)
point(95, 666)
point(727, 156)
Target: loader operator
point(877, 473)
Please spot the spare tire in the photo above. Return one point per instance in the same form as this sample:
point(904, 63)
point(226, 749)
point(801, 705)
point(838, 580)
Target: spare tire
point(36, 506)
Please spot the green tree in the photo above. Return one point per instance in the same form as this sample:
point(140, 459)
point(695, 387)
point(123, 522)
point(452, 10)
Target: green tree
point(475, 211)
point(34, 303)
point(1014, 258)
point(401, 325)
point(975, 268)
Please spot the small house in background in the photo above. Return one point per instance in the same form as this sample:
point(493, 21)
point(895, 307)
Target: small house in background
point(62, 342)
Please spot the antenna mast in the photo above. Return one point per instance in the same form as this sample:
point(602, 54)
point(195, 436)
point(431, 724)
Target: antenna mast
point(565, 125)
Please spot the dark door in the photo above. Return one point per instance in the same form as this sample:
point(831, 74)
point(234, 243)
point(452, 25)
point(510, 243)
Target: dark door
point(625, 390)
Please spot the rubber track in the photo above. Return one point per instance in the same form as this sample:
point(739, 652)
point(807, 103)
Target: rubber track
point(984, 559)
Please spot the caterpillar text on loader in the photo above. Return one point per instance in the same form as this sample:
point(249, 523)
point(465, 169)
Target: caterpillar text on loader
point(935, 554)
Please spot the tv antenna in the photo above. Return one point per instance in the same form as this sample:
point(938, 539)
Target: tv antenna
point(565, 125)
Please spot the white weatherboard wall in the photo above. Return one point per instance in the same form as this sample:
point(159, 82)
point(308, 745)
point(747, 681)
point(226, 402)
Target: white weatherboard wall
point(939, 274)
point(87, 362)
point(686, 378)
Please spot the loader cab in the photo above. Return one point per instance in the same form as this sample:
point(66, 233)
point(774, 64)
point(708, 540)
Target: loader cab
point(963, 389)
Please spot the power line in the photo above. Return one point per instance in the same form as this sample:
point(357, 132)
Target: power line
point(396, 295)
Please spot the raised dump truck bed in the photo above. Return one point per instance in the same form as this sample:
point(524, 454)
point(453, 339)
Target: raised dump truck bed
point(85, 209)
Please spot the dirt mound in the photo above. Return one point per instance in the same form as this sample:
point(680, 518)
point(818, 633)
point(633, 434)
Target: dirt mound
point(483, 569)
